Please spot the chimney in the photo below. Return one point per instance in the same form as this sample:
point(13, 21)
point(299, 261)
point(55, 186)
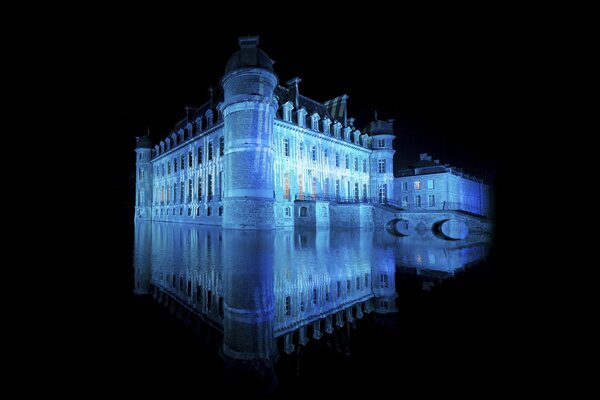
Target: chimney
point(248, 50)
point(292, 85)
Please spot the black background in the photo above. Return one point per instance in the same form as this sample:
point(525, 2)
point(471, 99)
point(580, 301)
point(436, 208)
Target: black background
point(447, 77)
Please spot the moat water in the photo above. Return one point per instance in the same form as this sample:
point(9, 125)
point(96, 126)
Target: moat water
point(298, 311)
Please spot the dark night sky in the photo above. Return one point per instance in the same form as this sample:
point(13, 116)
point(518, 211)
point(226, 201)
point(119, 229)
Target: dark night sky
point(444, 78)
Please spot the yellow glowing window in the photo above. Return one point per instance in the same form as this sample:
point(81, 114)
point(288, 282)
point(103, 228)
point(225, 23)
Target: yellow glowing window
point(417, 185)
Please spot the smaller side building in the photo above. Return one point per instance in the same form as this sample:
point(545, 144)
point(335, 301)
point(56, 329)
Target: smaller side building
point(429, 185)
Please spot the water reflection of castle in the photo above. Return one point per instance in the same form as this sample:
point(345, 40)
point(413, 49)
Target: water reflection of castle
point(288, 286)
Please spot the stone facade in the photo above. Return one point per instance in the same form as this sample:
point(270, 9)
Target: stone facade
point(429, 185)
point(242, 159)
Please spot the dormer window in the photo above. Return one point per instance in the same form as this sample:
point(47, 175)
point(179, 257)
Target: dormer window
point(287, 111)
point(381, 143)
point(314, 119)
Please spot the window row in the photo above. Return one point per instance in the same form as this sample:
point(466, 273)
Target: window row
point(331, 292)
point(170, 193)
point(417, 201)
point(417, 185)
point(313, 156)
point(187, 289)
point(354, 192)
point(179, 162)
point(179, 211)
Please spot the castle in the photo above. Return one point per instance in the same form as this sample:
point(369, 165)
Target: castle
point(261, 155)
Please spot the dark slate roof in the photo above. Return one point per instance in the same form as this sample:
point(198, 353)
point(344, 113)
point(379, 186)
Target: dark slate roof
point(143, 142)
point(425, 164)
point(313, 106)
point(309, 104)
point(379, 127)
point(193, 113)
point(256, 58)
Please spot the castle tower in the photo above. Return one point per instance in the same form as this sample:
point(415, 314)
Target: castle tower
point(382, 159)
point(143, 178)
point(248, 110)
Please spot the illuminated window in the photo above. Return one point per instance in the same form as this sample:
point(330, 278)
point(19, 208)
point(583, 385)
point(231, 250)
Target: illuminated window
point(417, 185)
point(405, 186)
point(431, 200)
point(314, 153)
point(383, 281)
point(200, 189)
point(286, 186)
point(381, 143)
point(190, 160)
point(199, 155)
point(286, 147)
point(288, 305)
point(364, 165)
point(221, 146)
point(381, 166)
point(382, 193)
point(430, 184)
point(418, 201)
point(356, 164)
point(337, 159)
point(303, 211)
point(182, 162)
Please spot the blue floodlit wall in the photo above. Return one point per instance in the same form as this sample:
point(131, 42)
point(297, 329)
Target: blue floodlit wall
point(444, 189)
point(243, 162)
